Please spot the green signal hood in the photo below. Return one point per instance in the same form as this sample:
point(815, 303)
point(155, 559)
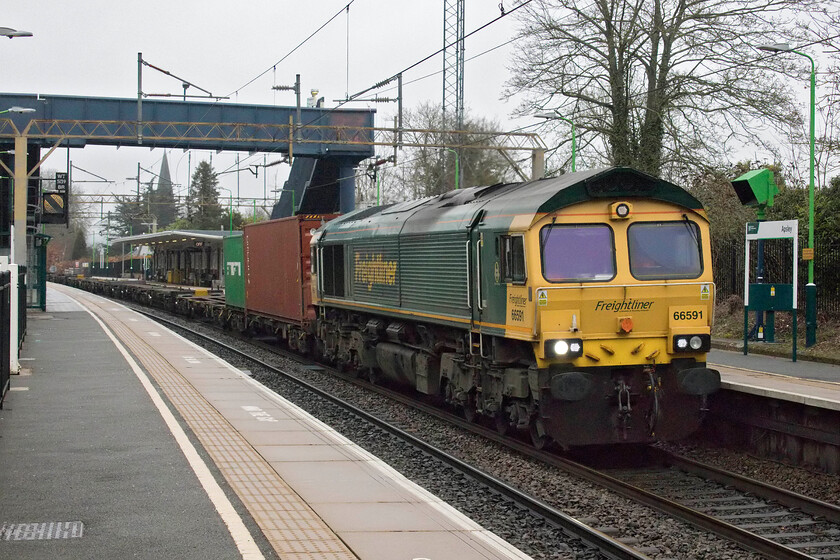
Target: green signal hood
point(756, 188)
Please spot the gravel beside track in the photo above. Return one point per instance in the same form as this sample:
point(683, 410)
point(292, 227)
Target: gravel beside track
point(822, 486)
point(661, 537)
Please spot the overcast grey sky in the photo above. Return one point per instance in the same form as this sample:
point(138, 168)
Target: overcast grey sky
point(89, 47)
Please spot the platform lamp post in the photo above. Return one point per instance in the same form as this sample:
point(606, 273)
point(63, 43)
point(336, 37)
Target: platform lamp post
point(811, 288)
point(12, 33)
point(557, 115)
point(230, 208)
point(19, 175)
point(457, 166)
point(293, 199)
point(17, 110)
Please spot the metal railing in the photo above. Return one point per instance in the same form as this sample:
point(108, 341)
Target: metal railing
point(21, 312)
point(5, 342)
point(728, 263)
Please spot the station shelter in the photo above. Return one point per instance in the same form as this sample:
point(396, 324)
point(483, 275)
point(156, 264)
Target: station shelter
point(186, 257)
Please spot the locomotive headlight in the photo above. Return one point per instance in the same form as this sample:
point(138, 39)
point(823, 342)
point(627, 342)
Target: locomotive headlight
point(692, 343)
point(620, 210)
point(564, 348)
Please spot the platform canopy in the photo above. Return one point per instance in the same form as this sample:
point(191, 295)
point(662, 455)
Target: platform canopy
point(177, 239)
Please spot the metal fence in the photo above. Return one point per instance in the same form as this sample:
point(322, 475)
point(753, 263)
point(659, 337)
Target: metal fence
point(21, 305)
point(728, 263)
point(5, 342)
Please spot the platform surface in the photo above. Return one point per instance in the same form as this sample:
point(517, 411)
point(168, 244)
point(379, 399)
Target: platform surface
point(87, 440)
point(88, 467)
point(805, 382)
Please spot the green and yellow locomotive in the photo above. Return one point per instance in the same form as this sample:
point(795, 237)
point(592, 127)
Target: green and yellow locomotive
point(577, 307)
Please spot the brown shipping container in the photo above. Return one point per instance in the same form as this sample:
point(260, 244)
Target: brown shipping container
point(277, 273)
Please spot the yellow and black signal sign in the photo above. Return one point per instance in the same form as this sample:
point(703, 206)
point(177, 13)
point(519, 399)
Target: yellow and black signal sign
point(53, 203)
point(54, 208)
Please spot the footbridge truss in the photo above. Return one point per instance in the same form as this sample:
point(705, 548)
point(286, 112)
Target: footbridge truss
point(323, 144)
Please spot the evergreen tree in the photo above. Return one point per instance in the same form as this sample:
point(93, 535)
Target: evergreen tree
point(130, 214)
point(203, 209)
point(80, 248)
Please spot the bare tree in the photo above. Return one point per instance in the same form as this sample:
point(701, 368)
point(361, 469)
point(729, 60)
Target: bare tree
point(421, 171)
point(824, 30)
point(662, 85)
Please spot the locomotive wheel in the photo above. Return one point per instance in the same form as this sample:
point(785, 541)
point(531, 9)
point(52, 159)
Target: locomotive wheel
point(470, 412)
point(501, 422)
point(539, 438)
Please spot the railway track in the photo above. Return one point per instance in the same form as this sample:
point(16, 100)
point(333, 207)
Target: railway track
point(737, 506)
point(770, 521)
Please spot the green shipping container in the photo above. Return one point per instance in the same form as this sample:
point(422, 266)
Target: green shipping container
point(234, 272)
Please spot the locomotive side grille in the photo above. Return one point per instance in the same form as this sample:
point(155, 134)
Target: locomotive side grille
point(433, 273)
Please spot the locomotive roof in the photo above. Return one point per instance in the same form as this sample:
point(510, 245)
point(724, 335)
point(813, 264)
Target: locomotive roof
point(498, 204)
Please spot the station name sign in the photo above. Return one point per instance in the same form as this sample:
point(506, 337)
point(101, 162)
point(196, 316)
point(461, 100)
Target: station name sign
point(783, 229)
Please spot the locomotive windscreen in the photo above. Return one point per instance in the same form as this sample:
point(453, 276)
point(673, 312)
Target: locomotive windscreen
point(577, 253)
point(664, 250)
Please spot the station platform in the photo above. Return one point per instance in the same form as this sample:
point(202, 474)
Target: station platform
point(122, 439)
point(810, 383)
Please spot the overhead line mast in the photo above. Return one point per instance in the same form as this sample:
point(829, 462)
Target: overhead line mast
point(453, 69)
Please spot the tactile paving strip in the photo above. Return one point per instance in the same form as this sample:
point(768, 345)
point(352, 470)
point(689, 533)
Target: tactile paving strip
point(289, 524)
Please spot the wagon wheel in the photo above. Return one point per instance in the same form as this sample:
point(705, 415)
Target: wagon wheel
point(539, 438)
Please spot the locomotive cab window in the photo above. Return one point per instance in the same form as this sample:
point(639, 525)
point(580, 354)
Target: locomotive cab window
point(664, 250)
point(333, 270)
point(577, 253)
point(512, 259)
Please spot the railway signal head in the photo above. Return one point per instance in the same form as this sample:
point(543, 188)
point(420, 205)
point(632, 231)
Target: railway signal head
point(756, 188)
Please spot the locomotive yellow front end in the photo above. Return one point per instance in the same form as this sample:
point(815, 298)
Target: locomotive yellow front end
point(623, 307)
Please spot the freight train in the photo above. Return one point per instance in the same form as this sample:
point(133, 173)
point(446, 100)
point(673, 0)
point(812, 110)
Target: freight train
point(576, 308)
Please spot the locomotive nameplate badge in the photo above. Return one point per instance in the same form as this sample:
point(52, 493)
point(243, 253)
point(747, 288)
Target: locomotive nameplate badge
point(705, 291)
point(542, 298)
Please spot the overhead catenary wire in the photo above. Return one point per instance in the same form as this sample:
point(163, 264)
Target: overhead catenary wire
point(402, 163)
point(296, 47)
point(381, 82)
point(425, 58)
point(273, 67)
